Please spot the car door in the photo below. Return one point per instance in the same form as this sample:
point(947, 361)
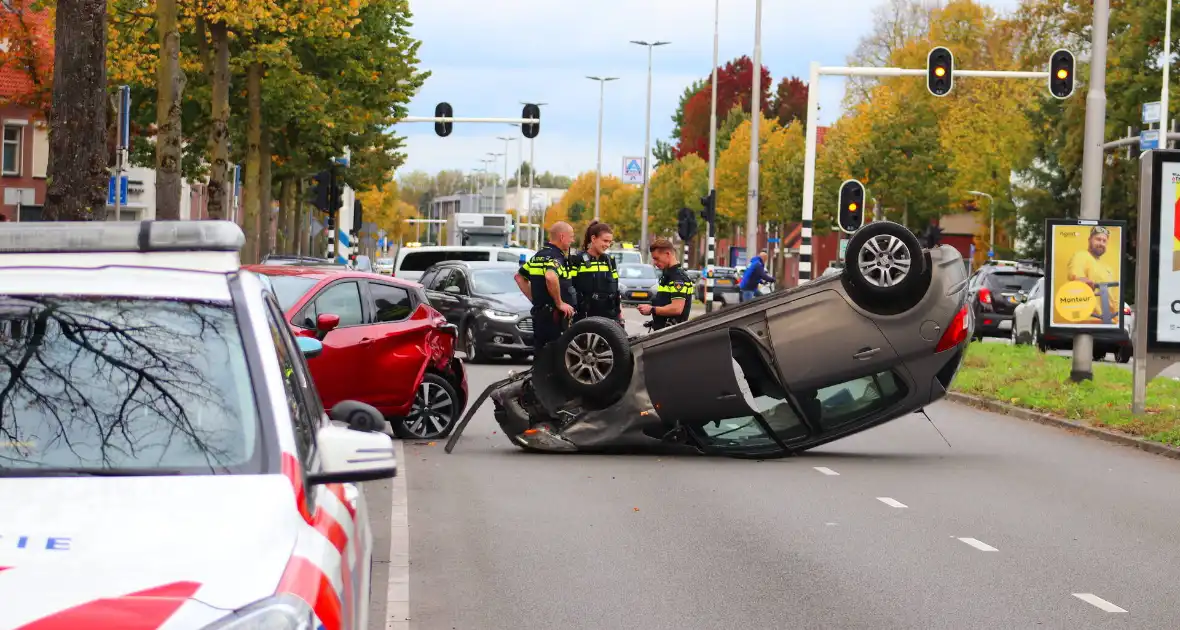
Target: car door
point(1022, 317)
point(448, 297)
point(327, 509)
point(820, 339)
point(336, 370)
point(398, 355)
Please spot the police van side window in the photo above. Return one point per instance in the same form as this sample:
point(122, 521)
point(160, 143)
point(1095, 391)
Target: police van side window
point(295, 384)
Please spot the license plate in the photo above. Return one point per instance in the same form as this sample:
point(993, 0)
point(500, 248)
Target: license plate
point(725, 281)
point(639, 294)
point(1006, 324)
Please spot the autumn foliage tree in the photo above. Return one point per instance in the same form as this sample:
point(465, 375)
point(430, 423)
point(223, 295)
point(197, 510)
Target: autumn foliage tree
point(734, 84)
point(27, 59)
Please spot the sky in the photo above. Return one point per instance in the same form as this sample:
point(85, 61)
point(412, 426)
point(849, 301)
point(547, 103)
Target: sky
point(486, 56)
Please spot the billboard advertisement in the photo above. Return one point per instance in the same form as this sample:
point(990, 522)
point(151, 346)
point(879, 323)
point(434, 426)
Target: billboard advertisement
point(1083, 274)
point(1164, 287)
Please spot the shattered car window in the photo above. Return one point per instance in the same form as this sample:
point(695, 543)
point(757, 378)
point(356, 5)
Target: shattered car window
point(839, 404)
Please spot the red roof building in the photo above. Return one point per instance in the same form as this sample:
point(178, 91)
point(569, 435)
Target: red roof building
point(26, 74)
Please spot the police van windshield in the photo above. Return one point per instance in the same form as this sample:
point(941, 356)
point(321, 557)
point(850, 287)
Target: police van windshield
point(130, 384)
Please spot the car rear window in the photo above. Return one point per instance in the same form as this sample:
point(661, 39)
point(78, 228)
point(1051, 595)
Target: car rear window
point(1012, 281)
point(289, 289)
point(421, 261)
point(123, 383)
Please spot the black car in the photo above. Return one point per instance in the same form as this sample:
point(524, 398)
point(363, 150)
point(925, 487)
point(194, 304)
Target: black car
point(725, 287)
point(994, 292)
point(482, 299)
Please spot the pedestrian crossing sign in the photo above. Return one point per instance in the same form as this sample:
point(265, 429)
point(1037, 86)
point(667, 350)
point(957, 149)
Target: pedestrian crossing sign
point(633, 170)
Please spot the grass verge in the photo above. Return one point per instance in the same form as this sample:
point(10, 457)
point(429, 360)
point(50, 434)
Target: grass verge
point(1023, 377)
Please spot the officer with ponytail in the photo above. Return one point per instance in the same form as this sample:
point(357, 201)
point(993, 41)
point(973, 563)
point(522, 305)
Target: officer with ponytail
point(596, 278)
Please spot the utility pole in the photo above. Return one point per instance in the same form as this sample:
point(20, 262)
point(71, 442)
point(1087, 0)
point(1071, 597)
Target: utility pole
point(710, 231)
point(991, 210)
point(755, 140)
point(598, 173)
point(491, 176)
point(506, 140)
point(1092, 154)
point(647, 152)
point(532, 173)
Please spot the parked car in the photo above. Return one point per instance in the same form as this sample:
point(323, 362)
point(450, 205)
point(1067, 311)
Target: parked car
point(383, 266)
point(770, 377)
point(167, 462)
point(725, 286)
point(1028, 328)
point(625, 256)
point(362, 263)
point(301, 261)
point(482, 299)
point(638, 283)
point(411, 262)
point(384, 345)
point(994, 291)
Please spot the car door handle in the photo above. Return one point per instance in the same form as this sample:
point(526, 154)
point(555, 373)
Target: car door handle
point(866, 353)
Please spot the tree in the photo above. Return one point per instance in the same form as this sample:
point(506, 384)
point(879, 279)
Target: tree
point(733, 169)
point(733, 119)
point(895, 24)
point(577, 204)
point(680, 184)
point(170, 80)
point(28, 54)
point(790, 101)
point(733, 88)
point(78, 117)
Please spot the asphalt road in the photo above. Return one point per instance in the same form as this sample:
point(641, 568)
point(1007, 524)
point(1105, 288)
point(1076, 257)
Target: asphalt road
point(1015, 525)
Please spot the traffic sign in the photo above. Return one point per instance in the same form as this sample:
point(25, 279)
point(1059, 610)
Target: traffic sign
point(773, 240)
point(1151, 113)
point(122, 191)
point(1149, 140)
point(632, 170)
point(843, 248)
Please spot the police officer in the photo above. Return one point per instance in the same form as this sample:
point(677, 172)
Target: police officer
point(673, 299)
point(547, 281)
point(596, 278)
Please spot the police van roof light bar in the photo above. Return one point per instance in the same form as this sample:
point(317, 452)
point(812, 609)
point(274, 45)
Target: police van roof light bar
point(122, 236)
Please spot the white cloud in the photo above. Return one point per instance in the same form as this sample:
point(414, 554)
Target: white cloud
point(487, 55)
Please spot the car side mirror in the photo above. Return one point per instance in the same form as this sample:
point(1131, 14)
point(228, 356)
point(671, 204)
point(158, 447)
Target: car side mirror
point(453, 290)
point(311, 348)
point(351, 456)
point(1023, 298)
point(326, 323)
point(357, 415)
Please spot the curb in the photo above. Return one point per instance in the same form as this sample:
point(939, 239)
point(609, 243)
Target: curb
point(1072, 425)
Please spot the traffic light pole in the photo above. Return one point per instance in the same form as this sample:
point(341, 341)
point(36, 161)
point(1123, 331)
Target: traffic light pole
point(818, 71)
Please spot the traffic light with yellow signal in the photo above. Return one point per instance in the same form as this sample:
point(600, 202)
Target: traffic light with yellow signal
point(1061, 69)
point(940, 70)
point(852, 201)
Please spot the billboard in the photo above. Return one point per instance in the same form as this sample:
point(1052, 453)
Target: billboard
point(1163, 299)
point(1083, 274)
point(633, 170)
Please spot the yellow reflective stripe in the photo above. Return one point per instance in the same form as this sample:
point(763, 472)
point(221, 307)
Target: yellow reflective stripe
point(667, 288)
point(615, 275)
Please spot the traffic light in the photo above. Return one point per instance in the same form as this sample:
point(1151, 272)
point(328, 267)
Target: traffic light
point(709, 207)
point(940, 71)
point(336, 198)
point(532, 110)
point(321, 190)
point(852, 202)
point(1061, 68)
point(357, 212)
point(686, 224)
point(443, 110)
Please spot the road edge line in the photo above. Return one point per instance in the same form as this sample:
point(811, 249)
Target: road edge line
point(399, 538)
point(1108, 435)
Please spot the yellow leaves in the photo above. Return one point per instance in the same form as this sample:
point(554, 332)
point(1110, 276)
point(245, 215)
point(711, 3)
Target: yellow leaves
point(777, 148)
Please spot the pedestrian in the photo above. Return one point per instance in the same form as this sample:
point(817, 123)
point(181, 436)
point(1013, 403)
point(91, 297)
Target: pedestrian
point(596, 278)
point(673, 299)
point(546, 280)
point(755, 275)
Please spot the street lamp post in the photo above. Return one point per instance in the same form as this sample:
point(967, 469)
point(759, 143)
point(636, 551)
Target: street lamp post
point(710, 243)
point(487, 172)
point(598, 173)
point(991, 210)
point(532, 173)
point(647, 149)
point(755, 140)
point(506, 140)
point(496, 187)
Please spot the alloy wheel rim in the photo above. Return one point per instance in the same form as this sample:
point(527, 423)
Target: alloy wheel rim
point(884, 261)
point(589, 358)
point(432, 412)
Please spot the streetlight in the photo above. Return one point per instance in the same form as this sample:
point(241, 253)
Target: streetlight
point(755, 140)
point(646, 148)
point(598, 174)
point(991, 210)
point(506, 140)
point(486, 162)
point(532, 172)
point(495, 188)
point(710, 243)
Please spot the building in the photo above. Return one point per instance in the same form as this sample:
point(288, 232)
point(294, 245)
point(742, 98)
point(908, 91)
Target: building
point(24, 159)
point(490, 200)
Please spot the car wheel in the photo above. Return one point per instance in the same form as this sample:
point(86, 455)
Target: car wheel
point(1124, 354)
point(1036, 337)
point(884, 259)
point(1098, 353)
point(470, 347)
point(595, 360)
point(434, 412)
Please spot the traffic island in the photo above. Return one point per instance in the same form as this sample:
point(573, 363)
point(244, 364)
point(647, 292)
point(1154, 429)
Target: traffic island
point(1020, 381)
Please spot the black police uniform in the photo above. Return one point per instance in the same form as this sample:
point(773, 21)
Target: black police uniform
point(548, 322)
point(596, 281)
point(674, 285)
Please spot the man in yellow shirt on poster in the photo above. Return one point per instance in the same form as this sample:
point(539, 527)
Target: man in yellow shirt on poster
point(1086, 266)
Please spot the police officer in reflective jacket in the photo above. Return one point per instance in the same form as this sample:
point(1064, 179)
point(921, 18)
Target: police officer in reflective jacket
point(596, 278)
point(547, 280)
point(673, 299)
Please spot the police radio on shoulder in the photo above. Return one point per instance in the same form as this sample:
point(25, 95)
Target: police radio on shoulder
point(120, 236)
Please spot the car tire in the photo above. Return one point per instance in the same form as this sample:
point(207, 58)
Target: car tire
point(892, 257)
point(581, 354)
point(435, 411)
point(1098, 353)
point(1036, 337)
point(1124, 354)
point(470, 345)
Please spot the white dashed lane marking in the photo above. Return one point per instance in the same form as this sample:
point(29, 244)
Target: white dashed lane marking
point(891, 502)
point(982, 546)
point(827, 471)
point(1098, 602)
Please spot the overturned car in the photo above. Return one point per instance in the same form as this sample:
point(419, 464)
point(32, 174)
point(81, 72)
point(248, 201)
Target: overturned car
point(777, 375)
